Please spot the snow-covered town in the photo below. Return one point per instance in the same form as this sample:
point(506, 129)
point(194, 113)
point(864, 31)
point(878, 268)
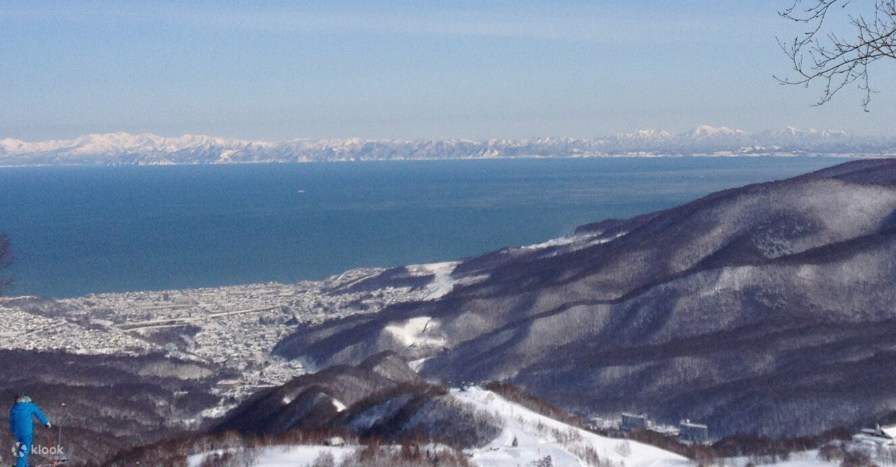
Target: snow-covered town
point(233, 327)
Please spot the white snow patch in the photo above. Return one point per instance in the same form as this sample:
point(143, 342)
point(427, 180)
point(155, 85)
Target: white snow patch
point(283, 456)
point(559, 241)
point(421, 331)
point(571, 243)
point(795, 459)
point(292, 456)
point(217, 411)
point(431, 269)
point(340, 407)
point(602, 240)
point(890, 430)
point(442, 283)
point(197, 459)
point(416, 365)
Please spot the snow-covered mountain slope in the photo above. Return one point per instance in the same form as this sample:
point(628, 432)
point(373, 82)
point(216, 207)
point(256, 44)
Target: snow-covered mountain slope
point(528, 437)
point(524, 438)
point(766, 309)
point(145, 148)
point(382, 399)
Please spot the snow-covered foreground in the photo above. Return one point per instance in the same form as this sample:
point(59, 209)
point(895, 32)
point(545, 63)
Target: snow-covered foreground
point(299, 455)
point(796, 459)
point(538, 436)
point(284, 456)
point(525, 455)
point(535, 437)
point(527, 438)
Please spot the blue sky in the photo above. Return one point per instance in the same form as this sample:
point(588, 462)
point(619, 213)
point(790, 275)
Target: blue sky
point(401, 69)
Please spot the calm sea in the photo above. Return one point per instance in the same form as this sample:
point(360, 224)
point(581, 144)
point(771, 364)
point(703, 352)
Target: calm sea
point(77, 230)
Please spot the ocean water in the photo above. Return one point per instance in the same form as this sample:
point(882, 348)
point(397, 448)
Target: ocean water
point(78, 230)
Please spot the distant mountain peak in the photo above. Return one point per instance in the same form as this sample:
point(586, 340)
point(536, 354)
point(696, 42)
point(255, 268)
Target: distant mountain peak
point(646, 134)
point(709, 131)
point(795, 132)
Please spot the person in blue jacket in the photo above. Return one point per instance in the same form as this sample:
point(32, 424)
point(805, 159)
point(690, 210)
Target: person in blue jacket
point(21, 425)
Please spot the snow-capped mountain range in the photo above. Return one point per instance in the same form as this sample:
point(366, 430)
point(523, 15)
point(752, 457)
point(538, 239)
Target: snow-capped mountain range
point(147, 149)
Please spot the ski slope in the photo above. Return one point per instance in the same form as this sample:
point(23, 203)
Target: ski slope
point(539, 436)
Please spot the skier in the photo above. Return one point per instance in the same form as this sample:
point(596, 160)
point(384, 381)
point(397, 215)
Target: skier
point(21, 425)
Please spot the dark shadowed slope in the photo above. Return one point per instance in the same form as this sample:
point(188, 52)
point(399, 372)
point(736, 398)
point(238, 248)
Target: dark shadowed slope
point(381, 398)
point(763, 309)
point(107, 403)
point(312, 401)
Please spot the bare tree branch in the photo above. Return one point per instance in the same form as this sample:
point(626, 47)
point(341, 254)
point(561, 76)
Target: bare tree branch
point(834, 60)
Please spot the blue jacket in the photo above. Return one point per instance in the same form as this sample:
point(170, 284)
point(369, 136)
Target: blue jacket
point(20, 418)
